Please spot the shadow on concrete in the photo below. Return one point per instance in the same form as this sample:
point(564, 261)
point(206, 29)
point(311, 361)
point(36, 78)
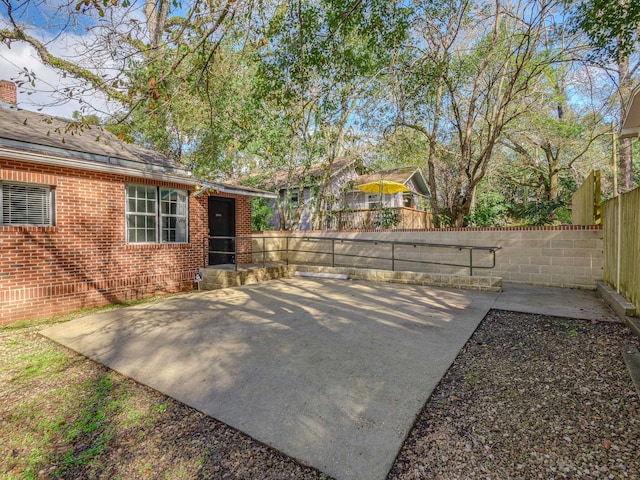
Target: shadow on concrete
point(329, 372)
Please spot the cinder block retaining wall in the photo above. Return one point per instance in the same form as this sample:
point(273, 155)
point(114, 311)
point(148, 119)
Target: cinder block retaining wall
point(569, 256)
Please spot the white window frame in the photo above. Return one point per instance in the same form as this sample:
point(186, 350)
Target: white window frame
point(47, 210)
point(374, 201)
point(160, 218)
point(180, 216)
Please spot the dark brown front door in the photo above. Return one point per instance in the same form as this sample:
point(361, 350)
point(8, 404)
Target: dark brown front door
point(222, 223)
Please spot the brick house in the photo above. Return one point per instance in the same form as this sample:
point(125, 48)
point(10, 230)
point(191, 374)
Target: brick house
point(87, 220)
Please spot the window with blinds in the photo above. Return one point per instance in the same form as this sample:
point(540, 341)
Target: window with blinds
point(26, 204)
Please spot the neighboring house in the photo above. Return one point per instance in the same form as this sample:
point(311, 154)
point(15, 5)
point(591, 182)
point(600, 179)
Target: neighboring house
point(298, 191)
point(380, 210)
point(416, 198)
point(88, 220)
point(346, 207)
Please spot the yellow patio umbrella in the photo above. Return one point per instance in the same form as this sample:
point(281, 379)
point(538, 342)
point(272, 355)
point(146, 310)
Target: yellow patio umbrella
point(386, 187)
point(382, 187)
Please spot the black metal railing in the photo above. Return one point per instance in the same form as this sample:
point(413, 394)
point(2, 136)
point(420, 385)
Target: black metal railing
point(284, 249)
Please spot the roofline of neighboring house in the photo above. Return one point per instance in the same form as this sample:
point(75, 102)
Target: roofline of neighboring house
point(423, 180)
point(625, 131)
point(286, 186)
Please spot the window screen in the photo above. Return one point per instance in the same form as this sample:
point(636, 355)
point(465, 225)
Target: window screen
point(374, 200)
point(26, 204)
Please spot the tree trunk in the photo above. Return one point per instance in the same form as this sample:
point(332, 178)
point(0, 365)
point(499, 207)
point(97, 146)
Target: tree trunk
point(156, 12)
point(626, 165)
point(464, 208)
point(625, 170)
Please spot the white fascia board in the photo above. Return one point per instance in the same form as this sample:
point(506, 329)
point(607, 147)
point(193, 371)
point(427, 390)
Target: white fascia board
point(630, 132)
point(11, 154)
point(234, 190)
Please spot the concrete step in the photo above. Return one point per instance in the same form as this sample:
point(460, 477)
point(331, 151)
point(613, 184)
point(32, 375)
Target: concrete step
point(214, 278)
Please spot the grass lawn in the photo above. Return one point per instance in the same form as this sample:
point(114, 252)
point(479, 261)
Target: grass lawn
point(65, 416)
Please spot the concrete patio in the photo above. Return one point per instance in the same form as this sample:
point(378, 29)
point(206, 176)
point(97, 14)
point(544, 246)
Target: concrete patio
point(330, 372)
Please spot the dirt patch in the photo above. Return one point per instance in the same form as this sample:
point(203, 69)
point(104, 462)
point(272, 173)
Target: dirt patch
point(528, 397)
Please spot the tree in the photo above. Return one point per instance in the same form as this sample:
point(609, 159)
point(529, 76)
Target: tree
point(555, 135)
point(321, 60)
point(612, 28)
point(117, 36)
point(479, 62)
point(418, 80)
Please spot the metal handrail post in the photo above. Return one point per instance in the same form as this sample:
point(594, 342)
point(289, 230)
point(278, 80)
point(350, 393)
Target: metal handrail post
point(235, 251)
point(471, 262)
point(393, 257)
point(286, 253)
point(264, 253)
point(205, 261)
point(333, 252)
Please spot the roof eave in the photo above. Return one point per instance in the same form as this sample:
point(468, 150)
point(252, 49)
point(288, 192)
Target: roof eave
point(421, 180)
point(631, 132)
point(83, 164)
point(630, 126)
point(235, 190)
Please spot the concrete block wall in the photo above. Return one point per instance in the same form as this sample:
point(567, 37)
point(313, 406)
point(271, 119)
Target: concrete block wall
point(567, 256)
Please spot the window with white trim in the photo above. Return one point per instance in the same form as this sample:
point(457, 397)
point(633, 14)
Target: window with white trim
point(26, 204)
point(173, 215)
point(374, 200)
point(156, 214)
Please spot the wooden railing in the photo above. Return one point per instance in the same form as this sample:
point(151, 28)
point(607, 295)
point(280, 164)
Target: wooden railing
point(379, 218)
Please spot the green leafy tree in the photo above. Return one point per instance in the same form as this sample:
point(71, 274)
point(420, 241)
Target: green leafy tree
point(490, 210)
point(612, 29)
point(261, 215)
point(612, 26)
point(321, 60)
point(488, 57)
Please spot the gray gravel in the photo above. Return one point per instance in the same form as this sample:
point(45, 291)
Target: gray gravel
point(530, 396)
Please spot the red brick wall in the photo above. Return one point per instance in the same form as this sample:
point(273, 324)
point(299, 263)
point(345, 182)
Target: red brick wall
point(84, 259)
point(8, 92)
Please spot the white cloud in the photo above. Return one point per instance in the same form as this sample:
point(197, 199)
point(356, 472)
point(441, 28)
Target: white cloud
point(46, 95)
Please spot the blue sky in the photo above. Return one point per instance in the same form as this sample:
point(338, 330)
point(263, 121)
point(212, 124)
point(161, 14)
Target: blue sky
point(59, 26)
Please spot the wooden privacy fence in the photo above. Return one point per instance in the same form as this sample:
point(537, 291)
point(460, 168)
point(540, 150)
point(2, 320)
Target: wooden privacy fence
point(621, 226)
point(586, 203)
